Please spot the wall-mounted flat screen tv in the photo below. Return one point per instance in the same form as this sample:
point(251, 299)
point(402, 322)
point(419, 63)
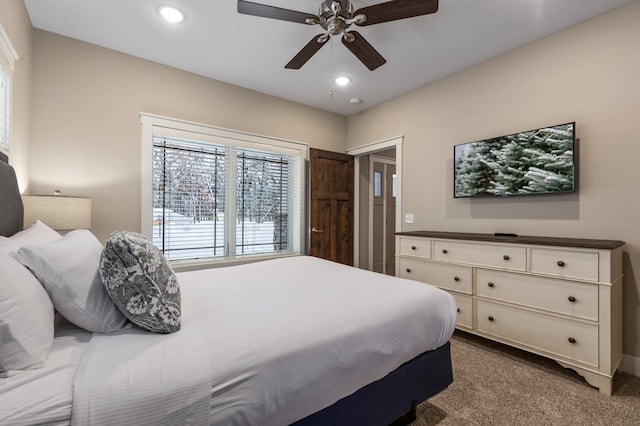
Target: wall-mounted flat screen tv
point(540, 161)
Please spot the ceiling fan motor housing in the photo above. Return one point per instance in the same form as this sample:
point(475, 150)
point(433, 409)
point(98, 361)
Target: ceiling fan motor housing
point(343, 8)
point(334, 17)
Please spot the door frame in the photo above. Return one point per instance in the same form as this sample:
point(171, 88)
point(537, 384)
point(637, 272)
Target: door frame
point(368, 149)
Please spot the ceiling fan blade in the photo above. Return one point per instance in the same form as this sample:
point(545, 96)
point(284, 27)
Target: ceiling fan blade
point(265, 11)
point(307, 52)
point(394, 10)
point(364, 51)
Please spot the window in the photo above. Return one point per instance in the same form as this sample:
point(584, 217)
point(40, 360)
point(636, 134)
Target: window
point(8, 56)
point(377, 184)
point(219, 194)
point(4, 109)
point(393, 185)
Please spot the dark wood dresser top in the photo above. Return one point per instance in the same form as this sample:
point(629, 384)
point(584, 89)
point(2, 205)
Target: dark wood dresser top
point(520, 239)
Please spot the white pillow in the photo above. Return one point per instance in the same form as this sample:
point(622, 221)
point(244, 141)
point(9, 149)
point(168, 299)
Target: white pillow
point(68, 269)
point(36, 234)
point(26, 318)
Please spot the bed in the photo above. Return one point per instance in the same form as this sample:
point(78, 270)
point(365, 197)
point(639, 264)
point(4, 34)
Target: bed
point(295, 340)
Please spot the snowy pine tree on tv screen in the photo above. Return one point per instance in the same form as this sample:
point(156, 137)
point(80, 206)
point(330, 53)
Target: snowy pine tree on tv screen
point(538, 161)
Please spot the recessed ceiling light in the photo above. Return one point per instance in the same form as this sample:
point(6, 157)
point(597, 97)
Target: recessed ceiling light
point(171, 14)
point(342, 81)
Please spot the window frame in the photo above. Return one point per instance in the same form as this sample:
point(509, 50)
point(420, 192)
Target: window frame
point(155, 125)
point(8, 57)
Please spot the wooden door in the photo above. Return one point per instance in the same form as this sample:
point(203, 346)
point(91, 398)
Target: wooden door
point(378, 214)
point(331, 204)
point(383, 216)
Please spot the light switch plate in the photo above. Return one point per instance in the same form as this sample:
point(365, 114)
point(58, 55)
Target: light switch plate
point(408, 218)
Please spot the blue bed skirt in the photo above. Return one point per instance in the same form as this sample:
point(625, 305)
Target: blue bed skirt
point(393, 397)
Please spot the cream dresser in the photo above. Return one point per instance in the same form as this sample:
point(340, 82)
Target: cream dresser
point(556, 297)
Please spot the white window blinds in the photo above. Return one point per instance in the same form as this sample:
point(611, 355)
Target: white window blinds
point(188, 198)
point(215, 197)
point(263, 183)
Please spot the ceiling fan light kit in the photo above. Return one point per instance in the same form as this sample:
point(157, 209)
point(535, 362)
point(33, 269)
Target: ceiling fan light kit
point(336, 17)
point(342, 80)
point(171, 14)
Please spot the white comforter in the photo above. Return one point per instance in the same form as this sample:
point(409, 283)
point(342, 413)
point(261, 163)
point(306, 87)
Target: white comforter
point(266, 344)
point(43, 396)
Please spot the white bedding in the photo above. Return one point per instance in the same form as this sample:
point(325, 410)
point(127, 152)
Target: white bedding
point(267, 343)
point(44, 396)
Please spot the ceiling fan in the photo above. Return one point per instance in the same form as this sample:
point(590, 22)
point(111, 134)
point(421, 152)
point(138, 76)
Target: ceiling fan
point(336, 17)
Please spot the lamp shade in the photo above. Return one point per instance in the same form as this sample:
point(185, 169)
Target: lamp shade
point(58, 212)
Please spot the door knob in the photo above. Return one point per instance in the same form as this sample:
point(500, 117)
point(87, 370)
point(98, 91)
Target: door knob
point(315, 231)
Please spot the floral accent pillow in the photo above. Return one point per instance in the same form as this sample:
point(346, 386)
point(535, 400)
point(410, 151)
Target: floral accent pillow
point(140, 282)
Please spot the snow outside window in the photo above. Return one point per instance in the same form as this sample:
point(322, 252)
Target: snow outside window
point(219, 198)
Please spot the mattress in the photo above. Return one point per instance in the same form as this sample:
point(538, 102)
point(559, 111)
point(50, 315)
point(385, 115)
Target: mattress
point(292, 336)
point(266, 343)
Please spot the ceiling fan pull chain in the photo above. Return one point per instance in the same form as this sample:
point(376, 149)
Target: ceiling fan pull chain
point(331, 66)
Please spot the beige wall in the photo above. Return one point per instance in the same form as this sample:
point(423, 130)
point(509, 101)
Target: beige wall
point(590, 74)
point(77, 129)
point(15, 20)
point(86, 132)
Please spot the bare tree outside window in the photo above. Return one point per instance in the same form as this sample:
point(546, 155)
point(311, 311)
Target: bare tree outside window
point(191, 186)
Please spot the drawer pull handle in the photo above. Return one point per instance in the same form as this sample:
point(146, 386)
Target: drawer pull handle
point(445, 251)
point(490, 318)
point(572, 299)
point(505, 257)
point(560, 263)
point(409, 270)
point(572, 340)
point(490, 284)
point(413, 247)
point(456, 278)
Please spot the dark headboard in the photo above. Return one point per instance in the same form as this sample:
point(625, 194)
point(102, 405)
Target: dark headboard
point(11, 209)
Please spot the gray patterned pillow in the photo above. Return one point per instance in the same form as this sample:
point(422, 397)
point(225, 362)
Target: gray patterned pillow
point(141, 282)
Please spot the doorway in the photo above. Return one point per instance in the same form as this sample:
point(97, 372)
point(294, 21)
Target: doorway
point(378, 238)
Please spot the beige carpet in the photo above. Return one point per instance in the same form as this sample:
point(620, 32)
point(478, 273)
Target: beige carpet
point(494, 384)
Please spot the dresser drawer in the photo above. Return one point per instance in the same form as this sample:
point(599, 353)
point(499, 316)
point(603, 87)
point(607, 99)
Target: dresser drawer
point(457, 278)
point(581, 265)
point(417, 247)
point(501, 256)
point(565, 338)
point(465, 310)
point(564, 297)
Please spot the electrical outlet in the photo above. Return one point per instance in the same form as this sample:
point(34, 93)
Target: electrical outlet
point(408, 218)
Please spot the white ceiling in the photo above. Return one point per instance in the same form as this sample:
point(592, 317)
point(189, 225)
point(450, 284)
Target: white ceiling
point(218, 42)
